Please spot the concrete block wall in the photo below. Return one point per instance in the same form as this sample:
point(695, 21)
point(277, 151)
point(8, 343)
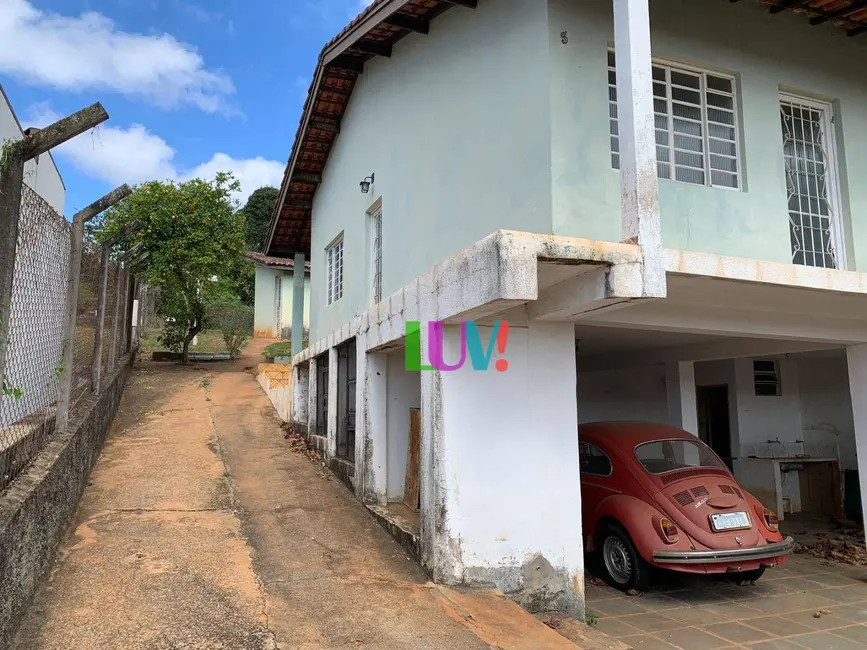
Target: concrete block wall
point(37, 508)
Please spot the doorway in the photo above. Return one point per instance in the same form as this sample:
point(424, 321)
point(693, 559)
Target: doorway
point(346, 364)
point(714, 427)
point(322, 396)
point(278, 305)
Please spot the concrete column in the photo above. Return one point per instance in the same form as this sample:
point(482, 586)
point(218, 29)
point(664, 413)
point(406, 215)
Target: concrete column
point(300, 394)
point(298, 305)
point(313, 377)
point(332, 403)
point(856, 356)
point(680, 386)
point(501, 498)
point(638, 179)
point(371, 424)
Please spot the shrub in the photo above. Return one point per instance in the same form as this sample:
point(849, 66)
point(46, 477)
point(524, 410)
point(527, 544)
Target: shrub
point(235, 320)
point(281, 349)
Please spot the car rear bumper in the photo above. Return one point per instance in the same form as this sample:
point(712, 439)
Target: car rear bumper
point(730, 555)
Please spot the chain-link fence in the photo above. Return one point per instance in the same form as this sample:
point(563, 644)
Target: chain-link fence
point(34, 371)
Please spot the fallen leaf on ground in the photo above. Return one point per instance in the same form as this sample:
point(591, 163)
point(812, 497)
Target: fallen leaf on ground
point(634, 592)
point(821, 613)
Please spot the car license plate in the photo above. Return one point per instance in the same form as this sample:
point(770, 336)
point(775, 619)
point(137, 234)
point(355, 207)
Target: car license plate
point(730, 520)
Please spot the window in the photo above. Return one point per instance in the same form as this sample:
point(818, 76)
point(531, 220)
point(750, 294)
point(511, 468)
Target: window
point(696, 125)
point(592, 460)
point(376, 253)
point(766, 377)
point(334, 260)
point(663, 456)
point(811, 182)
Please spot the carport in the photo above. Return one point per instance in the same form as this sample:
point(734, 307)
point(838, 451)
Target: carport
point(744, 365)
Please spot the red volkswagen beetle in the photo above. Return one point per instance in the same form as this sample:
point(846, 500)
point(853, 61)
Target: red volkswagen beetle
point(656, 496)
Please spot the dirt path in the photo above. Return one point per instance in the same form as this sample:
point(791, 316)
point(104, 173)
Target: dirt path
point(201, 530)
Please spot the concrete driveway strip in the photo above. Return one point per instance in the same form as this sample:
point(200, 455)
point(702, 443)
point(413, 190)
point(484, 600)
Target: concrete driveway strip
point(202, 530)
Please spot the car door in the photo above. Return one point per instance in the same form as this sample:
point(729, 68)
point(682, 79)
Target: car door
point(597, 480)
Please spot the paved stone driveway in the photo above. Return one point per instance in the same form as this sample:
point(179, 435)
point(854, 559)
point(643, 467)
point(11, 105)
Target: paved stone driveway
point(804, 604)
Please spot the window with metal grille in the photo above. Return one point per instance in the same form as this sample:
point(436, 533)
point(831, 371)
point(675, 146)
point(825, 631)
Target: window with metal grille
point(766, 377)
point(696, 125)
point(811, 182)
point(376, 253)
point(334, 275)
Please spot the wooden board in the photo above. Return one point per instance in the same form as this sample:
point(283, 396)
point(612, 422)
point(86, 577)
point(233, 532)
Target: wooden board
point(411, 492)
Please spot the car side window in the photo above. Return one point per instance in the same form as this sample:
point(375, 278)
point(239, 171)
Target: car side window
point(592, 460)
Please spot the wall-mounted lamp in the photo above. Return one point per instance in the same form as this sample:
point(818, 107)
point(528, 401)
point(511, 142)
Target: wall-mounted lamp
point(365, 184)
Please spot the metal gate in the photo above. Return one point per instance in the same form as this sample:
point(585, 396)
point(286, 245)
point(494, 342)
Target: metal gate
point(346, 401)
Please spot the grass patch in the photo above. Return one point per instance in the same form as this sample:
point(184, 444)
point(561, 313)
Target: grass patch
point(209, 341)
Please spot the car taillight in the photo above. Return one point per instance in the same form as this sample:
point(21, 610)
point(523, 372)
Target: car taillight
point(669, 531)
point(771, 520)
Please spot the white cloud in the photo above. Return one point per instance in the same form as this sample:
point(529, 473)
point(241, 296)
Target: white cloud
point(135, 155)
point(252, 173)
point(90, 52)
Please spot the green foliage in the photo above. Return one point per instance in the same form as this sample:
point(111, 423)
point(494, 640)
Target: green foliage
point(257, 216)
point(193, 237)
point(591, 620)
point(235, 320)
point(12, 391)
point(281, 349)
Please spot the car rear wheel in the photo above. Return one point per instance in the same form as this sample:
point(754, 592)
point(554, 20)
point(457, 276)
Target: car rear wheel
point(626, 569)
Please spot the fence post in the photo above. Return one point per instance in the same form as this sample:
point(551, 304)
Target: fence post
point(74, 278)
point(13, 157)
point(99, 335)
point(11, 179)
point(112, 348)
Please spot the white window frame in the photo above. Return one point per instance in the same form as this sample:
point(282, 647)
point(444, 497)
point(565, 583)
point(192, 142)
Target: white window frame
point(669, 65)
point(832, 179)
point(375, 220)
point(334, 255)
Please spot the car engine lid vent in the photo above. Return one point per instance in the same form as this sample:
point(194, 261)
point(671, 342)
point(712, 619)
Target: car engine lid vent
point(726, 489)
point(700, 491)
point(683, 498)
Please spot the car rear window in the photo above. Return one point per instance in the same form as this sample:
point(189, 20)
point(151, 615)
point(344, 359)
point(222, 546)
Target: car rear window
point(662, 456)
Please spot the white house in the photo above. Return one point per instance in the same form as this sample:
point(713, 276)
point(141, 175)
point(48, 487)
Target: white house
point(272, 315)
point(41, 173)
point(663, 201)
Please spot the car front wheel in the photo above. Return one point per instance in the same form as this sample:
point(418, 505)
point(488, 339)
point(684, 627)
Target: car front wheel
point(626, 569)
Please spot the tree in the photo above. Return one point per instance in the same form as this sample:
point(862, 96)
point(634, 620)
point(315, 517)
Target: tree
point(257, 216)
point(193, 237)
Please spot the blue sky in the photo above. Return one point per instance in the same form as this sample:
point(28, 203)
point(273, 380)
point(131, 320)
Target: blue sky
point(191, 87)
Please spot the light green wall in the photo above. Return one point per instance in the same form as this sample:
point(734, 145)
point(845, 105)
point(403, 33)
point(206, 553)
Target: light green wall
point(765, 53)
point(455, 125)
point(265, 309)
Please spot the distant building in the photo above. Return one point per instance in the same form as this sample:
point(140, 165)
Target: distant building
point(41, 173)
point(275, 286)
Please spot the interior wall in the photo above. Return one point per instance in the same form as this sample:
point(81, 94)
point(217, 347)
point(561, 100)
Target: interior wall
point(403, 389)
point(635, 394)
point(826, 405)
point(765, 418)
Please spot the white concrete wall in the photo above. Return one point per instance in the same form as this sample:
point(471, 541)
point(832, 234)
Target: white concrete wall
point(766, 417)
point(403, 394)
point(508, 467)
point(826, 405)
point(41, 173)
point(265, 310)
point(635, 394)
point(455, 126)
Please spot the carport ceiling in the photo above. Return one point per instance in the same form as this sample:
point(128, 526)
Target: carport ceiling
point(595, 340)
